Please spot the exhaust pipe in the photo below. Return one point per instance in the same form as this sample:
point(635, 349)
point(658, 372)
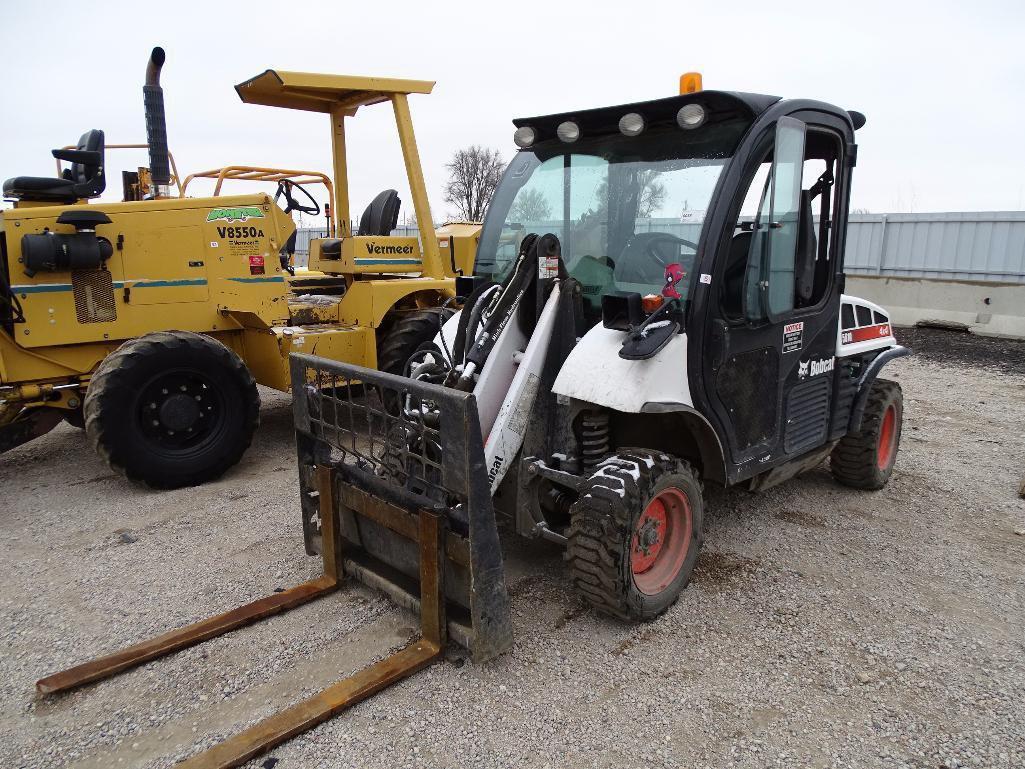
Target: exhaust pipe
point(156, 126)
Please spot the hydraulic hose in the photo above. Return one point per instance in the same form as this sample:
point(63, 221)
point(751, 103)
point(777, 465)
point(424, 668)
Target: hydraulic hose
point(470, 318)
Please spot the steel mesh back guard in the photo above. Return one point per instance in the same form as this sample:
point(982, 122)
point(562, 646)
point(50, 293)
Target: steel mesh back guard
point(398, 446)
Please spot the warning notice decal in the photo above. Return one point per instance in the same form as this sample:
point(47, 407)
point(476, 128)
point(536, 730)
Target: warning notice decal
point(793, 337)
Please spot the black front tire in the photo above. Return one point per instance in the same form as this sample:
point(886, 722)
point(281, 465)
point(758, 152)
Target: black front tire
point(865, 459)
point(172, 409)
point(605, 523)
point(409, 331)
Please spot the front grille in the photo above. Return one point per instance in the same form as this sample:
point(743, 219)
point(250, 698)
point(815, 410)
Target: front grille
point(94, 296)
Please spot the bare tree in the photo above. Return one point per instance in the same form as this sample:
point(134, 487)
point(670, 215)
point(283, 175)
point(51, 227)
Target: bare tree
point(530, 206)
point(644, 191)
point(474, 173)
point(653, 194)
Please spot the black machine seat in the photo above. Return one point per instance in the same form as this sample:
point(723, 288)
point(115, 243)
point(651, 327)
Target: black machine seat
point(732, 291)
point(382, 215)
point(84, 179)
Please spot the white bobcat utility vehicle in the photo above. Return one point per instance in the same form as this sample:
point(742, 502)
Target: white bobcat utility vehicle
point(657, 303)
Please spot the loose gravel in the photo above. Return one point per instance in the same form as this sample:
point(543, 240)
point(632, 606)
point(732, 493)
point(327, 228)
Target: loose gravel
point(824, 627)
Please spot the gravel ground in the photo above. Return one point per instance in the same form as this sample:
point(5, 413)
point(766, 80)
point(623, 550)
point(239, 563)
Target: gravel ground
point(824, 627)
point(961, 348)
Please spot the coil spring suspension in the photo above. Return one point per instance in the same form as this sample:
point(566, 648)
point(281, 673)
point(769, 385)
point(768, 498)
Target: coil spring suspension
point(594, 438)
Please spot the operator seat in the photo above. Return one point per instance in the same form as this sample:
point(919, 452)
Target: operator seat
point(382, 215)
point(84, 179)
point(732, 291)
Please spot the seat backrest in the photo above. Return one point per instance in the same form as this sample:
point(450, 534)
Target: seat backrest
point(382, 215)
point(807, 248)
point(93, 142)
point(732, 291)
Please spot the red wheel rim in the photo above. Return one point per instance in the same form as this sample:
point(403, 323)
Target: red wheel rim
point(887, 438)
point(661, 541)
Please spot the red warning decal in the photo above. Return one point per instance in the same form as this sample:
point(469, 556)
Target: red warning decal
point(866, 334)
point(257, 266)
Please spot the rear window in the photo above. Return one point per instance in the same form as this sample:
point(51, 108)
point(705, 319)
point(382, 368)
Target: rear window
point(847, 316)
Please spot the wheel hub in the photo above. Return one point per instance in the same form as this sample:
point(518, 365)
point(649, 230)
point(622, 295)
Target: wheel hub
point(179, 412)
point(649, 538)
point(661, 541)
point(179, 409)
point(887, 438)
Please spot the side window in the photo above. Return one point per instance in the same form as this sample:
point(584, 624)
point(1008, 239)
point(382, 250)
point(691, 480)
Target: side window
point(815, 258)
point(732, 287)
point(537, 207)
point(770, 279)
point(781, 256)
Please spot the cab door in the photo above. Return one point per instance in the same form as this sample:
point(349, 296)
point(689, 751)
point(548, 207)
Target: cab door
point(772, 332)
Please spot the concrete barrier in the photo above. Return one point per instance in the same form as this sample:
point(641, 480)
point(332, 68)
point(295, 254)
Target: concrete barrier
point(986, 308)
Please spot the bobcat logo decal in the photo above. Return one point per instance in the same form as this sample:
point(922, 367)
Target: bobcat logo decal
point(815, 367)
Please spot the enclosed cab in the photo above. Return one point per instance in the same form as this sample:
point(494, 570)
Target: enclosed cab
point(658, 303)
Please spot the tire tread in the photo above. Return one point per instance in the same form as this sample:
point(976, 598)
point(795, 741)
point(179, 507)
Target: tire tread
point(105, 399)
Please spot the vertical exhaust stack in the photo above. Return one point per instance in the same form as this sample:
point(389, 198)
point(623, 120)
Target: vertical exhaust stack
point(156, 126)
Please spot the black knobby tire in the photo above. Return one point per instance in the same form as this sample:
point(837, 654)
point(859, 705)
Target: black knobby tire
point(865, 460)
point(172, 409)
point(409, 331)
point(603, 533)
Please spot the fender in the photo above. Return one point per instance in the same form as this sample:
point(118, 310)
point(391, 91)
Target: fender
point(713, 458)
point(595, 373)
point(867, 378)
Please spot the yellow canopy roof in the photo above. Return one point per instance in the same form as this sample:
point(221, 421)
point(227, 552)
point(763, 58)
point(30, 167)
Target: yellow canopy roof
point(322, 93)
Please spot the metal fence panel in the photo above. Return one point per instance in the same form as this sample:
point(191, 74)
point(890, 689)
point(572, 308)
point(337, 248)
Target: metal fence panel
point(986, 246)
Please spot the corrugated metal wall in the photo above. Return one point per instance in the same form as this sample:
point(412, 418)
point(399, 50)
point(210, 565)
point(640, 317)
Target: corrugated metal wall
point(987, 246)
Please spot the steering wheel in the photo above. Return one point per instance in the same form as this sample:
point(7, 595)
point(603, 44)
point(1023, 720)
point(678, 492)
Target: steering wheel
point(661, 237)
point(286, 187)
point(644, 243)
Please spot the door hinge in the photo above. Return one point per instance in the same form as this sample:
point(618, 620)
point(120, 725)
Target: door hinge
point(852, 155)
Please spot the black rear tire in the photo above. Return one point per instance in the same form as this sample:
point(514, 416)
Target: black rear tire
point(608, 562)
point(172, 409)
point(409, 331)
point(865, 460)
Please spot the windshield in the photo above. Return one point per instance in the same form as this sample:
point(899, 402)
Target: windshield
point(623, 207)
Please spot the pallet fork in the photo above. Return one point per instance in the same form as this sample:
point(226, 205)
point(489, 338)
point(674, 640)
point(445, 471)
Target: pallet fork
point(372, 533)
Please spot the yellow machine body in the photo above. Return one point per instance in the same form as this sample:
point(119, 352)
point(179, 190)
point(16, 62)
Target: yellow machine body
point(211, 265)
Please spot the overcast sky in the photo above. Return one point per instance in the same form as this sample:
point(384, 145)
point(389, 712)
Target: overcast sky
point(940, 82)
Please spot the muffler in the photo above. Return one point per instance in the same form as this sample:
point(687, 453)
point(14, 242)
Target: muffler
point(156, 126)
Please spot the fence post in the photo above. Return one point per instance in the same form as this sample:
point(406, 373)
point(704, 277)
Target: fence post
point(882, 247)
